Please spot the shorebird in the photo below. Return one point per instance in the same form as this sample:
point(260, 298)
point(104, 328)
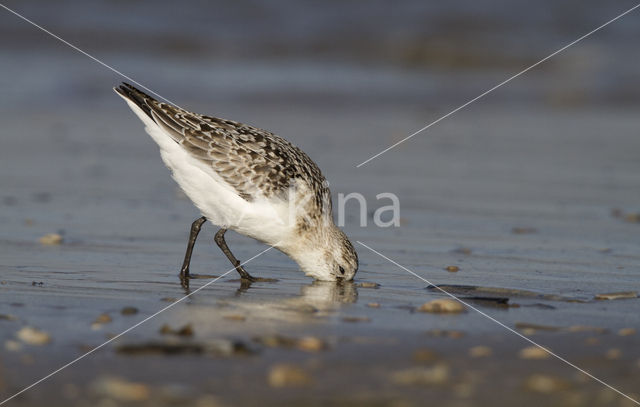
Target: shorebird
point(251, 181)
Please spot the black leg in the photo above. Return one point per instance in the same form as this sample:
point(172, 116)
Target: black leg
point(225, 249)
point(195, 229)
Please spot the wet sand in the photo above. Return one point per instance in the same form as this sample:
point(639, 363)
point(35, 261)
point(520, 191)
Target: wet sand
point(526, 214)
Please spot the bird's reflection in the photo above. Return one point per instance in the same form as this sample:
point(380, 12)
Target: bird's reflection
point(315, 301)
point(327, 292)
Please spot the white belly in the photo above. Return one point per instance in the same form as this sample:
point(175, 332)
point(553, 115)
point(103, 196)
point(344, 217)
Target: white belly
point(262, 219)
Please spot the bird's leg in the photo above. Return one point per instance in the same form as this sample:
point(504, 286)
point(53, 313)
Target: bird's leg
point(236, 263)
point(195, 229)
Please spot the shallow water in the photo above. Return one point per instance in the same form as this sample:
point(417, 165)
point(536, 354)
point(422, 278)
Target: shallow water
point(518, 192)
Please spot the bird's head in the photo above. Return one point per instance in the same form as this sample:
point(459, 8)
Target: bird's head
point(328, 256)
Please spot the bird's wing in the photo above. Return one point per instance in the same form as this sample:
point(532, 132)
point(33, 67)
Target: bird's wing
point(253, 161)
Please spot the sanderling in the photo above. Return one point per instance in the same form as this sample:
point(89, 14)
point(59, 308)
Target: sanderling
point(248, 180)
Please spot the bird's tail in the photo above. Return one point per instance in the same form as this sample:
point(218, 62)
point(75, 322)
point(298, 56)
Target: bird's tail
point(139, 98)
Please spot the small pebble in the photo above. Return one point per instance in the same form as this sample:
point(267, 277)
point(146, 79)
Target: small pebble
point(424, 355)
point(168, 299)
point(523, 231)
point(632, 217)
point(429, 376)
point(367, 284)
point(613, 354)
point(529, 329)
point(33, 336)
point(480, 351)
point(103, 319)
point(443, 305)
point(627, 332)
point(186, 330)
point(373, 305)
point(307, 343)
point(545, 384)
point(129, 311)
point(452, 269)
point(51, 239)
point(100, 321)
point(617, 296)
point(12, 346)
point(7, 317)
point(533, 352)
point(121, 389)
point(276, 341)
point(311, 344)
point(285, 375)
point(356, 319)
point(586, 328)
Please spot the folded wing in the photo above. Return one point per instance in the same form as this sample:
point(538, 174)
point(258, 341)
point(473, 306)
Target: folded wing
point(253, 161)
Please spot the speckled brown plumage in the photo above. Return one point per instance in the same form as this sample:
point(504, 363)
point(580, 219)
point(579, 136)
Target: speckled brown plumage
point(253, 161)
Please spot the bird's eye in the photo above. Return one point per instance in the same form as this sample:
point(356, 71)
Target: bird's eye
point(341, 270)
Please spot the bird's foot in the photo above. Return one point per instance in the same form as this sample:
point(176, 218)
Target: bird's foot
point(247, 278)
point(185, 276)
point(245, 283)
